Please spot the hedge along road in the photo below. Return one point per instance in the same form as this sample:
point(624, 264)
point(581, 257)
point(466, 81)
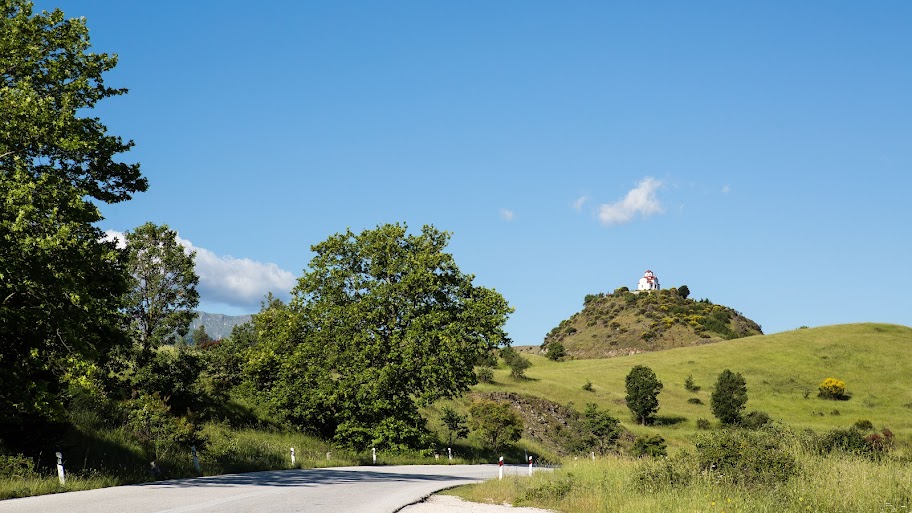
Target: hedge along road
point(341, 489)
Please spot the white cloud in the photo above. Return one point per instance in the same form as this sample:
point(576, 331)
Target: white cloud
point(578, 204)
point(507, 215)
point(237, 282)
point(640, 200)
point(117, 237)
point(726, 189)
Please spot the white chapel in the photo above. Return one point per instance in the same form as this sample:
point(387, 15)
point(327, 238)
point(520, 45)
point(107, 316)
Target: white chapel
point(649, 281)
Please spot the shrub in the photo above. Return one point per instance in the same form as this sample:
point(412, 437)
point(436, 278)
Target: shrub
point(587, 386)
point(832, 388)
point(689, 384)
point(497, 423)
point(695, 400)
point(484, 374)
point(755, 420)
point(863, 425)
point(676, 471)
point(16, 467)
point(847, 440)
point(649, 445)
point(556, 351)
point(703, 424)
point(517, 362)
point(745, 457)
point(853, 441)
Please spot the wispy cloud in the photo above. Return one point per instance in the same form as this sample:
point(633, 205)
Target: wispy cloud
point(726, 189)
point(237, 282)
point(640, 200)
point(507, 215)
point(578, 204)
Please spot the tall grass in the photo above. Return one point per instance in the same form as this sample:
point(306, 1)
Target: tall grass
point(825, 484)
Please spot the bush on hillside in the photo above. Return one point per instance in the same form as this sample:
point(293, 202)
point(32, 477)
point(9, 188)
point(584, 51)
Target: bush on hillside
point(853, 441)
point(745, 457)
point(650, 445)
point(484, 374)
point(832, 388)
point(556, 351)
point(755, 420)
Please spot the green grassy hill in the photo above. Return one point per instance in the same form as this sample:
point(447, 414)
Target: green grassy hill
point(624, 323)
point(782, 371)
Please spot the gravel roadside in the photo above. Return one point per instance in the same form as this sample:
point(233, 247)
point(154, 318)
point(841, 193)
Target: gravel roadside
point(450, 504)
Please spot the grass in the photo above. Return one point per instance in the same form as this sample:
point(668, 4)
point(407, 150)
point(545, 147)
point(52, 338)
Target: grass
point(831, 483)
point(782, 372)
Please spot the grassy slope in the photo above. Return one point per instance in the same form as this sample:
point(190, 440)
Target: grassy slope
point(875, 360)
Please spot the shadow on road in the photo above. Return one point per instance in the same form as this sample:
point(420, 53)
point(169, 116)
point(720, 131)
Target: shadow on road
point(305, 477)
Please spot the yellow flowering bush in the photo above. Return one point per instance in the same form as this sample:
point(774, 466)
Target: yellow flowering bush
point(832, 388)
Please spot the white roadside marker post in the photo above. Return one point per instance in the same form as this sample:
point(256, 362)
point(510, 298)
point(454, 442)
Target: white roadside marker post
point(530, 465)
point(374, 454)
point(450, 453)
point(328, 454)
point(292, 457)
point(500, 466)
point(60, 475)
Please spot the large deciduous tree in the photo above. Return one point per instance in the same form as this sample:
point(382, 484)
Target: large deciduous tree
point(643, 389)
point(61, 286)
point(48, 82)
point(163, 297)
point(380, 323)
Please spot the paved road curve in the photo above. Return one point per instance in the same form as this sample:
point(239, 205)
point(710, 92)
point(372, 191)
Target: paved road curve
point(341, 489)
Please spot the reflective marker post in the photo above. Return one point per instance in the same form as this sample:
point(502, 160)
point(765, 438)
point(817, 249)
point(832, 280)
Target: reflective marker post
point(60, 474)
point(500, 466)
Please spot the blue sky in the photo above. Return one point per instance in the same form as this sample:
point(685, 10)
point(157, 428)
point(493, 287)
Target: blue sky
point(759, 154)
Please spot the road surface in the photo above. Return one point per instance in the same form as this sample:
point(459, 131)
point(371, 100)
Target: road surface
point(335, 490)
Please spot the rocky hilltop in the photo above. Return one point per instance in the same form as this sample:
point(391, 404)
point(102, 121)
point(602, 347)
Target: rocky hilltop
point(625, 322)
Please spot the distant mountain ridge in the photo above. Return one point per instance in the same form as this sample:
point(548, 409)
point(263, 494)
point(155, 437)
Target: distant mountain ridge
point(218, 326)
point(625, 322)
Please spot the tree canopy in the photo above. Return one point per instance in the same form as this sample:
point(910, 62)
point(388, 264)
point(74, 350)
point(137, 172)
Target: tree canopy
point(163, 293)
point(61, 285)
point(643, 389)
point(380, 323)
point(49, 78)
point(729, 397)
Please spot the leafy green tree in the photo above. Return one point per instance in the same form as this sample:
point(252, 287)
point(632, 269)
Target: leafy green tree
point(60, 284)
point(497, 423)
point(643, 389)
point(380, 323)
point(199, 337)
point(603, 428)
point(684, 291)
point(516, 362)
point(556, 351)
point(455, 425)
point(729, 397)
point(49, 80)
point(163, 297)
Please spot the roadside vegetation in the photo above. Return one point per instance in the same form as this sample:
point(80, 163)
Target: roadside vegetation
point(725, 471)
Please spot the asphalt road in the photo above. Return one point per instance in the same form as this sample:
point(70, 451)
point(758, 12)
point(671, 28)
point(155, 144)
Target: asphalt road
point(341, 489)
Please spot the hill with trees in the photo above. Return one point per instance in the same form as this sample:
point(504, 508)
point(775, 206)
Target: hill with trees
point(625, 322)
